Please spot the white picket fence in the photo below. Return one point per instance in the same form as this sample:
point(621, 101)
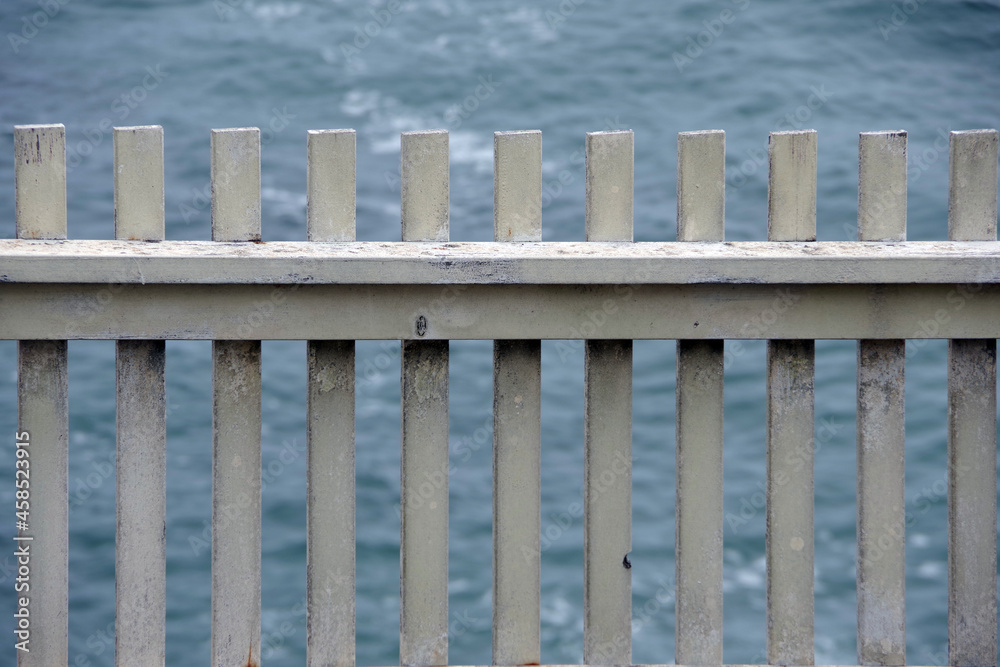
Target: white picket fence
point(331, 290)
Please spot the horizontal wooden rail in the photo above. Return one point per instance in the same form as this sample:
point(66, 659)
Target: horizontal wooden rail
point(566, 263)
point(488, 312)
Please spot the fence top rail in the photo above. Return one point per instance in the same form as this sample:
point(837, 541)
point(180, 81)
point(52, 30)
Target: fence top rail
point(565, 263)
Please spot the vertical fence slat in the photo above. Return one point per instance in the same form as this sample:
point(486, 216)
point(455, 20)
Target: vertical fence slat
point(424, 185)
point(236, 184)
point(517, 216)
point(517, 186)
point(423, 622)
point(881, 424)
point(609, 190)
point(43, 412)
point(330, 555)
point(972, 409)
point(139, 183)
point(790, 421)
point(332, 177)
point(40, 176)
point(43, 404)
point(791, 191)
point(141, 428)
point(140, 546)
point(330, 552)
point(608, 424)
point(701, 201)
point(236, 421)
point(882, 186)
point(701, 185)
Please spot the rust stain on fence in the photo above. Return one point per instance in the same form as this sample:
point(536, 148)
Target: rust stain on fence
point(250, 661)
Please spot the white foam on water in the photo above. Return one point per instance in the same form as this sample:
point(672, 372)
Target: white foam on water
point(934, 569)
point(751, 576)
point(557, 611)
point(472, 148)
point(360, 102)
point(274, 11)
point(285, 201)
point(384, 118)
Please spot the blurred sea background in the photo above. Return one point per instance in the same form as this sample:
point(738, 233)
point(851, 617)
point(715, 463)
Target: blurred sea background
point(565, 67)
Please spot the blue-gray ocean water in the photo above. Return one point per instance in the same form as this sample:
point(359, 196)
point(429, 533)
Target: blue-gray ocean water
point(286, 66)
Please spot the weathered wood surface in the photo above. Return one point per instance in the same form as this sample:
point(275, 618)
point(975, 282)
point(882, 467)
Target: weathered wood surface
point(881, 577)
point(701, 211)
point(490, 312)
point(517, 390)
point(607, 494)
point(376, 262)
point(791, 216)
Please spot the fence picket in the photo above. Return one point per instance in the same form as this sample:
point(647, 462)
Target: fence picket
point(236, 421)
point(791, 216)
point(330, 552)
point(881, 428)
point(141, 428)
point(331, 168)
point(330, 568)
point(42, 403)
point(701, 202)
point(517, 216)
point(607, 495)
point(40, 181)
point(972, 424)
point(423, 614)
